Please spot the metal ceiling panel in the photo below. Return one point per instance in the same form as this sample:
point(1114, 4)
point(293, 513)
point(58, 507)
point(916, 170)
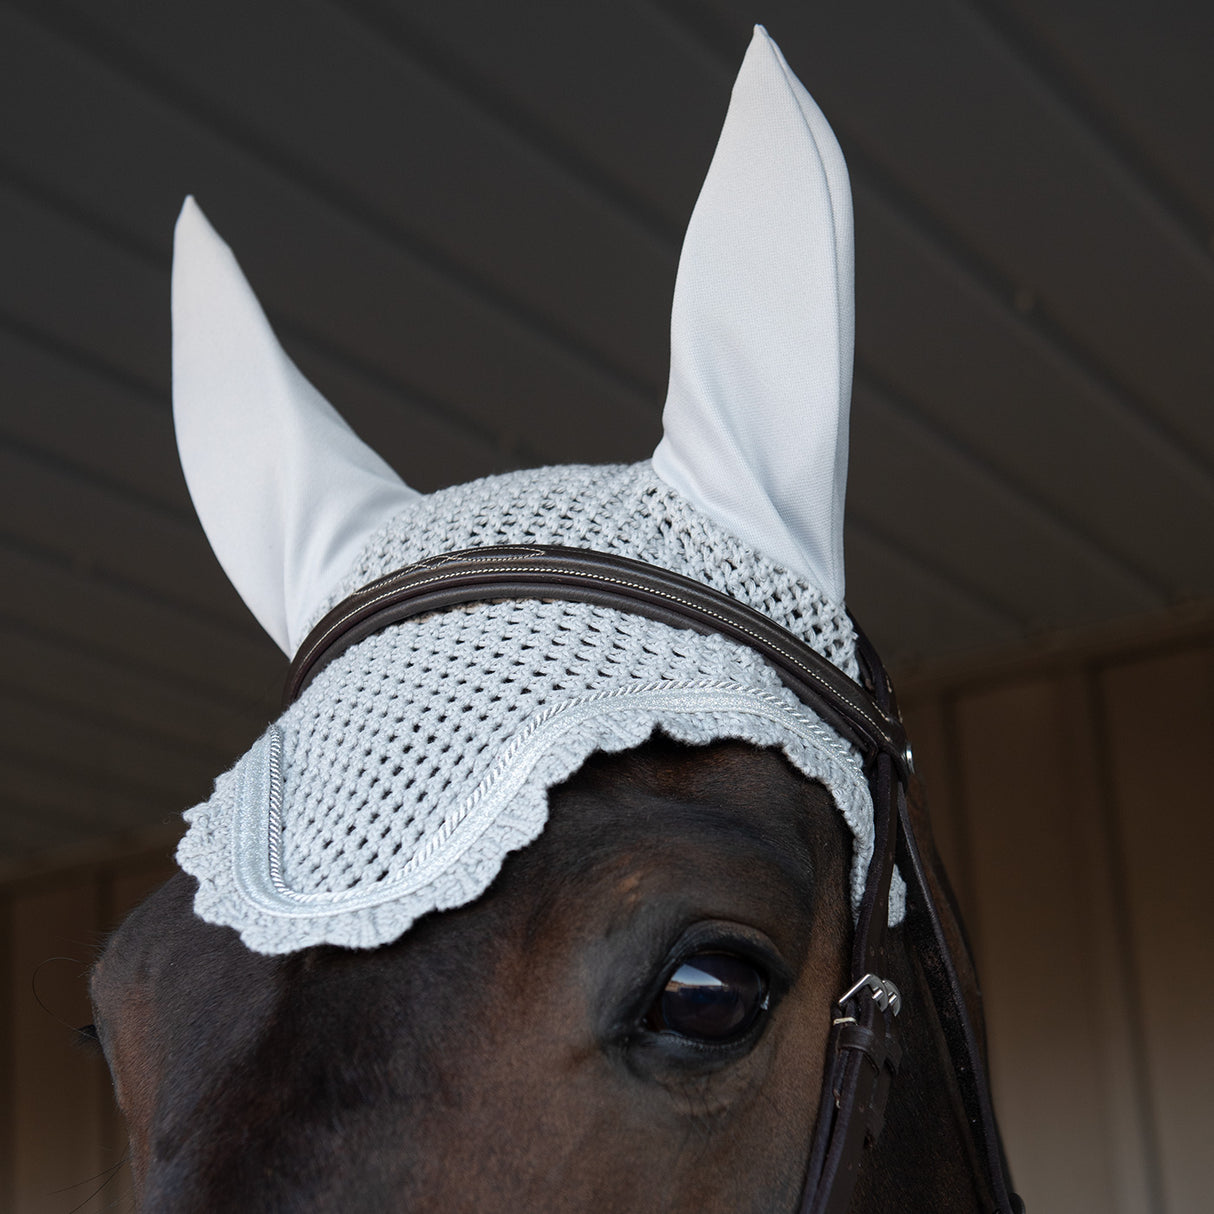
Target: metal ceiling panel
point(1139, 73)
point(998, 383)
point(463, 218)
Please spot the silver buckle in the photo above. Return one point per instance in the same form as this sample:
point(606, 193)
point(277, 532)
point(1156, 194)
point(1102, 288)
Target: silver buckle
point(886, 994)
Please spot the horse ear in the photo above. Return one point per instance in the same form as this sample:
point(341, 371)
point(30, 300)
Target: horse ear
point(763, 329)
point(286, 492)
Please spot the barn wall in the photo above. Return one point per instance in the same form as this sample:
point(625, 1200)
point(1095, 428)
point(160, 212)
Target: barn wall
point(1072, 797)
point(60, 1137)
point(1072, 805)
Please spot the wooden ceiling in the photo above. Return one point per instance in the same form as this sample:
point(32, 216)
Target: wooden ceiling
point(464, 218)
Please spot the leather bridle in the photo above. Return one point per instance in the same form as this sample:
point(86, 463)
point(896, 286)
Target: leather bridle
point(863, 1051)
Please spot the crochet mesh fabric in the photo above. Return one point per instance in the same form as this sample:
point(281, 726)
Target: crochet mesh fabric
point(420, 757)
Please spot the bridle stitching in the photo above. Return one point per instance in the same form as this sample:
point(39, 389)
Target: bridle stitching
point(304, 659)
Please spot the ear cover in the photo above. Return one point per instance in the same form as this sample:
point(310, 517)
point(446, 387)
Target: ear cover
point(286, 492)
point(763, 329)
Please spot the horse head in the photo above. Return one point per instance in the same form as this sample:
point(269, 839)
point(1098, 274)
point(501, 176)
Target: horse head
point(578, 872)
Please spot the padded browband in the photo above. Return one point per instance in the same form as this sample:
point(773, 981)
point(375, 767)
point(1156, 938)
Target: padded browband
point(584, 576)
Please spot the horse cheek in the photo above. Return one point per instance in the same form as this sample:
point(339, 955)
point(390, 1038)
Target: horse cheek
point(136, 1060)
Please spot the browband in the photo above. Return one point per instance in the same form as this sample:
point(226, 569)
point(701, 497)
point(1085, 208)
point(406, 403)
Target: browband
point(863, 1052)
point(584, 576)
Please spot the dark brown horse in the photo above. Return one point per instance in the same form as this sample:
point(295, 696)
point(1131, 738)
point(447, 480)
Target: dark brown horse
point(660, 983)
point(532, 1051)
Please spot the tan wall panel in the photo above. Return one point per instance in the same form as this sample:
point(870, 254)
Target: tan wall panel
point(57, 1086)
point(1037, 961)
point(8, 1038)
point(929, 727)
point(1110, 999)
point(61, 1135)
point(1161, 733)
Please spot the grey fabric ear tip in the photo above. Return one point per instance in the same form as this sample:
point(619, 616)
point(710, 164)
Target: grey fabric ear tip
point(755, 421)
point(362, 808)
point(285, 491)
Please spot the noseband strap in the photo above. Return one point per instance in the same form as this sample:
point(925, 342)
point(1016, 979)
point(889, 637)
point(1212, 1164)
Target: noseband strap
point(864, 1051)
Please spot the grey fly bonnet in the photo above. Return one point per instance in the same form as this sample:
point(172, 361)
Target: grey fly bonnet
point(421, 756)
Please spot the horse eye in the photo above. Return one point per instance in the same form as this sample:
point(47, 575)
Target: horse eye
point(710, 997)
